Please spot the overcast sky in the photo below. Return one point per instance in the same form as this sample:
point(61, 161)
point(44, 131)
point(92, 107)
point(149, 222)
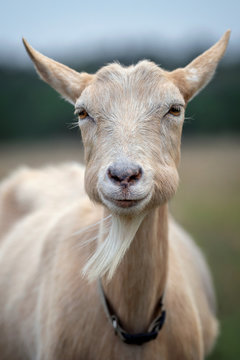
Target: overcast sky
point(56, 27)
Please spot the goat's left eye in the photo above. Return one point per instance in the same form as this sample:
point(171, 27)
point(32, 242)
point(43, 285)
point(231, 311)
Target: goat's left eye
point(175, 110)
point(82, 114)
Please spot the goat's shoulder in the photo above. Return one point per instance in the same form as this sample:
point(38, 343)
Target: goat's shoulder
point(28, 189)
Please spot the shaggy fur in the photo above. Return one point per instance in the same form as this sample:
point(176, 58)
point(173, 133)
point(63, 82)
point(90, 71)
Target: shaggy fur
point(51, 233)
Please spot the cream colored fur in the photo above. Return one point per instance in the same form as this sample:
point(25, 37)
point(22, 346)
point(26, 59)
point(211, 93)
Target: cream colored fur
point(52, 233)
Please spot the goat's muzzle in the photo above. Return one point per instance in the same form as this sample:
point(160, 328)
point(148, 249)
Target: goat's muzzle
point(122, 185)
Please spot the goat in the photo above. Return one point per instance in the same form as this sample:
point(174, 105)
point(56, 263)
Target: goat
point(57, 240)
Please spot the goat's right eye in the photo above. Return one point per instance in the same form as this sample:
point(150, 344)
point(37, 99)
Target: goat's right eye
point(82, 114)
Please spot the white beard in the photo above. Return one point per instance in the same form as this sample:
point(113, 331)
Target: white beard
point(111, 251)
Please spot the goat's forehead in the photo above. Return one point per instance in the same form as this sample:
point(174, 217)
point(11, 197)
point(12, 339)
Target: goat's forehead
point(145, 82)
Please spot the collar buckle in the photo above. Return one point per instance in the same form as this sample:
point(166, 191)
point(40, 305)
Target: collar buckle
point(114, 323)
point(132, 339)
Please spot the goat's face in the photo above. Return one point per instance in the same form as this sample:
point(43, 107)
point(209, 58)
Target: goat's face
point(131, 121)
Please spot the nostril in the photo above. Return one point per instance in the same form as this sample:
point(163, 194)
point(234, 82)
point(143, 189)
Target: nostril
point(137, 175)
point(124, 173)
point(112, 175)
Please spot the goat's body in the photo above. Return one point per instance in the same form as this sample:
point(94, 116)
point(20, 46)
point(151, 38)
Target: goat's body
point(49, 312)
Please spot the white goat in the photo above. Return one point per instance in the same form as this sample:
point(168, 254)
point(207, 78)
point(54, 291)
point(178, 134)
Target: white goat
point(131, 121)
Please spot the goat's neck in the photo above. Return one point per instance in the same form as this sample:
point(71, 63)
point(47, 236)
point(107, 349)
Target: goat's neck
point(140, 279)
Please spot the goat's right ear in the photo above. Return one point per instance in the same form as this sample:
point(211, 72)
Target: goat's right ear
point(69, 83)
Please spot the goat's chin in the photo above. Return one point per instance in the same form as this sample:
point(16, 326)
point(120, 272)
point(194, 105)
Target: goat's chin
point(110, 250)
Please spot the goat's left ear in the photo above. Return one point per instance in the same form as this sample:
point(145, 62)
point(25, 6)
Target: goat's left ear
point(69, 83)
point(191, 79)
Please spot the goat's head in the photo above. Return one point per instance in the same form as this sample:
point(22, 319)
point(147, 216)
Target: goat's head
point(131, 121)
point(131, 136)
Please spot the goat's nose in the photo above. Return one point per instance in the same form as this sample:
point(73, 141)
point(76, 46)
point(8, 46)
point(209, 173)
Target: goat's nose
point(124, 174)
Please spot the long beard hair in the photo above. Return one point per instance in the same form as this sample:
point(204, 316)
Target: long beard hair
point(111, 250)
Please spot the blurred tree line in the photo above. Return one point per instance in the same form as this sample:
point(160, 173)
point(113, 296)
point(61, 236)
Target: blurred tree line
point(30, 109)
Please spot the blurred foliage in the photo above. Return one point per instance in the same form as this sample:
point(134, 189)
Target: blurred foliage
point(31, 109)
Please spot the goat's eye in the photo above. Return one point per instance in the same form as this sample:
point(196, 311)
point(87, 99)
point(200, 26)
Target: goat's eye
point(82, 114)
point(175, 110)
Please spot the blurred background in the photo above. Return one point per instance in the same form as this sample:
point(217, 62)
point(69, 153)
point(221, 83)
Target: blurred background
point(36, 125)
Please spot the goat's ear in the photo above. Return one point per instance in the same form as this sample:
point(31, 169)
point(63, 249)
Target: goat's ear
point(69, 83)
point(191, 79)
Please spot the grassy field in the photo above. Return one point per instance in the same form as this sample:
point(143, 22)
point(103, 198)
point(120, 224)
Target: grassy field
point(207, 204)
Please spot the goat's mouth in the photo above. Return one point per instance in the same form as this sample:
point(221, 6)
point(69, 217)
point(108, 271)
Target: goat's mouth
point(120, 203)
point(125, 203)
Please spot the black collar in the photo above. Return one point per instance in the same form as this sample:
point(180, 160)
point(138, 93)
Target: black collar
point(132, 339)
